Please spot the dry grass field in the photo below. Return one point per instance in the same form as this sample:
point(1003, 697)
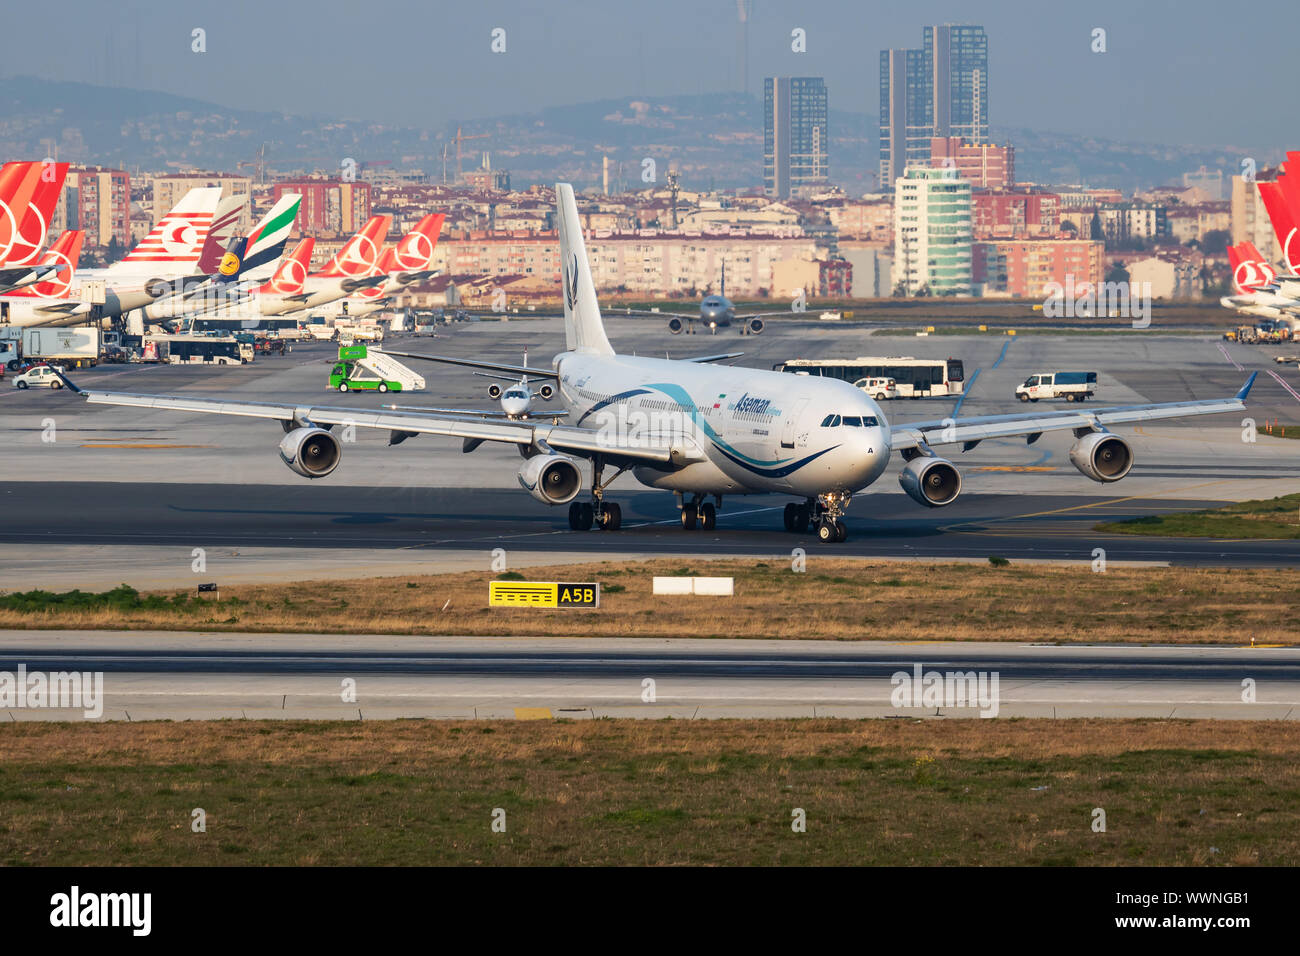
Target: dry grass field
point(840, 599)
point(652, 792)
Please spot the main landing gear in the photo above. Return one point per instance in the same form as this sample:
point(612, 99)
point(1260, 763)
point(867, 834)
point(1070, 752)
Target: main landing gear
point(700, 513)
point(599, 513)
point(824, 514)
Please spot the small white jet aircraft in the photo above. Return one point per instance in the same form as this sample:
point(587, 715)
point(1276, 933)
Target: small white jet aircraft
point(699, 430)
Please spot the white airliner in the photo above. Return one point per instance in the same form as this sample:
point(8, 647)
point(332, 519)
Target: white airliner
point(699, 430)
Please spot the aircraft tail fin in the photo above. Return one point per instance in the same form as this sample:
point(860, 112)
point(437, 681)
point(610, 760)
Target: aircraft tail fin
point(584, 329)
point(29, 191)
point(176, 242)
point(267, 240)
point(220, 234)
point(414, 253)
point(291, 274)
point(64, 257)
point(1279, 213)
point(360, 255)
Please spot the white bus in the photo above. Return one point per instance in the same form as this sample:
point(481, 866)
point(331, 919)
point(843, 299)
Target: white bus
point(200, 349)
point(916, 378)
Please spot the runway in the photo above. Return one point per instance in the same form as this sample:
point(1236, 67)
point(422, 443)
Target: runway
point(321, 517)
point(87, 491)
point(160, 675)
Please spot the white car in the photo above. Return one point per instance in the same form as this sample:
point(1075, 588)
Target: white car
point(878, 388)
point(38, 376)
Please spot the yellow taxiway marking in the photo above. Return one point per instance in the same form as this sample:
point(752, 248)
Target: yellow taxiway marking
point(533, 713)
point(142, 445)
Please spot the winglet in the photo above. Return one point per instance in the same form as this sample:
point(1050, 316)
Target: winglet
point(68, 383)
point(1245, 389)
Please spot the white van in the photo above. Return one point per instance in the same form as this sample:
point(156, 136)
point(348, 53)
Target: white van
point(878, 388)
point(1072, 386)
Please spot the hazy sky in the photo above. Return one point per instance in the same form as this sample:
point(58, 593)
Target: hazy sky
point(1175, 71)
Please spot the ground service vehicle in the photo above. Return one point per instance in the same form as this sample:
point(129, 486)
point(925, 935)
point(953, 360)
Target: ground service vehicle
point(39, 376)
point(364, 369)
point(76, 347)
point(200, 349)
point(1072, 386)
point(914, 378)
point(878, 388)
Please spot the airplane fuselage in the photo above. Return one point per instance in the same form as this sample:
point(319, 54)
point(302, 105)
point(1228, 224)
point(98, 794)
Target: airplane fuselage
point(752, 431)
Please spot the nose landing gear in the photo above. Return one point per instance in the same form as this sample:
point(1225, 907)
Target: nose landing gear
point(824, 513)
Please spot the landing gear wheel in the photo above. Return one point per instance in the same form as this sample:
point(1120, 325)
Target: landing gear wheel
point(581, 516)
point(841, 532)
point(802, 517)
point(825, 531)
point(611, 517)
point(343, 386)
point(789, 517)
point(688, 518)
point(708, 517)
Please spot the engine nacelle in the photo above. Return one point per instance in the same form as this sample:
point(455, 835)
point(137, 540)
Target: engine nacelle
point(754, 326)
point(933, 482)
point(675, 326)
point(157, 288)
point(1102, 456)
point(494, 391)
point(551, 479)
point(311, 452)
point(546, 392)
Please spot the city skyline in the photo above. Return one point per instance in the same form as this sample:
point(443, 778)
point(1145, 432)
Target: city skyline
point(402, 76)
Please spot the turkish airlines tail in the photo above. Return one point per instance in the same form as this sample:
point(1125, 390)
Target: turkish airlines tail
point(29, 191)
point(360, 255)
point(57, 267)
point(291, 275)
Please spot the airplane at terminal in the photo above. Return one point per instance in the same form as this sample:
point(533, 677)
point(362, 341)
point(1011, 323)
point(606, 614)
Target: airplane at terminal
point(699, 430)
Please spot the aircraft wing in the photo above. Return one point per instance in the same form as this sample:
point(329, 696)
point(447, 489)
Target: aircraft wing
point(490, 366)
point(971, 431)
point(477, 412)
point(584, 442)
point(714, 358)
point(693, 316)
point(756, 315)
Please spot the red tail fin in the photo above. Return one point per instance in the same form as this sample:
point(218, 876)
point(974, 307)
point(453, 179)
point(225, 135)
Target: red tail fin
point(292, 271)
point(1279, 212)
point(361, 254)
point(18, 184)
point(415, 252)
point(65, 255)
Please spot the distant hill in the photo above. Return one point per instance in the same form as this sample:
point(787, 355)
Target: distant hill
point(715, 139)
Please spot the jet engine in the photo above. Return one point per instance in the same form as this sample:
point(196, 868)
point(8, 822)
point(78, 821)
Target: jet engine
point(157, 288)
point(311, 452)
point(675, 326)
point(494, 390)
point(551, 479)
point(1102, 456)
point(754, 327)
point(933, 482)
point(546, 392)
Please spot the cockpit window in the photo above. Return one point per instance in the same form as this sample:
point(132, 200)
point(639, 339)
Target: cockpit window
point(828, 421)
point(870, 421)
point(854, 420)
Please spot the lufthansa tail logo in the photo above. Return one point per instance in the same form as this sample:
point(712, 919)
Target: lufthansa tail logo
point(229, 264)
